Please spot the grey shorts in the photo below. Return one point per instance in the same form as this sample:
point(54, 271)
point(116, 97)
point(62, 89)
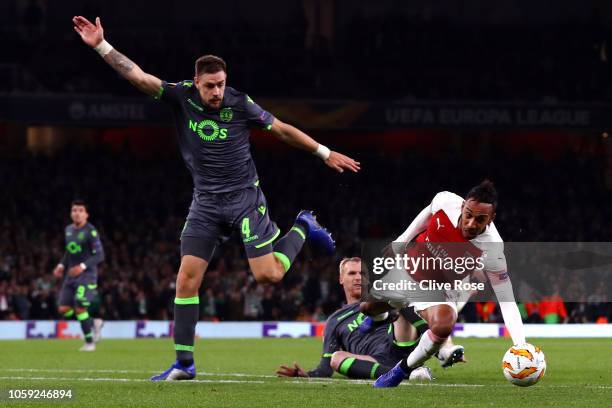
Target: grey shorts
point(79, 291)
point(214, 216)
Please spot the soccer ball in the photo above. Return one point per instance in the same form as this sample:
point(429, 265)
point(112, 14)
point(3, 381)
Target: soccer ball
point(524, 365)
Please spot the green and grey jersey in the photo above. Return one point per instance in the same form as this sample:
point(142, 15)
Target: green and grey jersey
point(83, 245)
point(215, 143)
point(342, 333)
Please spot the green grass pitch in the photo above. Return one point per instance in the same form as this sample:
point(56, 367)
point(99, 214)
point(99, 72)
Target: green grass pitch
point(240, 373)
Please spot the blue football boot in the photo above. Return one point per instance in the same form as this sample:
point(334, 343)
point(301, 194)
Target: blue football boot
point(176, 372)
point(391, 378)
point(318, 236)
point(367, 325)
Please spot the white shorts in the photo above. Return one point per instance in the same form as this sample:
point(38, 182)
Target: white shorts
point(419, 306)
point(417, 298)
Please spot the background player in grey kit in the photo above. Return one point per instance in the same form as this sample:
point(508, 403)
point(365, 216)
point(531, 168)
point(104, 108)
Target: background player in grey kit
point(213, 123)
point(84, 252)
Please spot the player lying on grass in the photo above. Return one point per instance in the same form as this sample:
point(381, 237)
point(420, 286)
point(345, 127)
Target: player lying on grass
point(356, 354)
point(453, 226)
point(213, 123)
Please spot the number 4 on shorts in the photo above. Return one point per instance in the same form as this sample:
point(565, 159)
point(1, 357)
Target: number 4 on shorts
point(246, 231)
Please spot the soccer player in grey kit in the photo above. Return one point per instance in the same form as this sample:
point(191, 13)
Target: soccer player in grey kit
point(84, 252)
point(213, 122)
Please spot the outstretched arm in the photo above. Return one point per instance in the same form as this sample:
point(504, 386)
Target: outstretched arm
point(93, 35)
point(500, 282)
point(288, 371)
point(324, 369)
point(301, 140)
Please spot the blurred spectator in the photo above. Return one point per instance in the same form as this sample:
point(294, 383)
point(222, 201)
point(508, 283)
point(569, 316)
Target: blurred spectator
point(598, 308)
point(552, 309)
point(5, 302)
point(486, 311)
point(303, 315)
point(252, 301)
point(578, 313)
point(318, 315)
point(530, 311)
point(21, 303)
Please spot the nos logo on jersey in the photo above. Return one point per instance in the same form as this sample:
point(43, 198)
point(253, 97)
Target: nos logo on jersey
point(208, 130)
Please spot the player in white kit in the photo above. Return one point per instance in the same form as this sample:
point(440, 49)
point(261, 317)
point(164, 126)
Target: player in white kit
point(450, 228)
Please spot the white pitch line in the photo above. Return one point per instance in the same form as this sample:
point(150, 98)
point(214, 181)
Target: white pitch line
point(64, 370)
point(111, 379)
point(304, 381)
point(83, 371)
point(297, 382)
point(313, 381)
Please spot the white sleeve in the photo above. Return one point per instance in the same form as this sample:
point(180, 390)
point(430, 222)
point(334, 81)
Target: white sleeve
point(418, 225)
point(512, 317)
point(495, 260)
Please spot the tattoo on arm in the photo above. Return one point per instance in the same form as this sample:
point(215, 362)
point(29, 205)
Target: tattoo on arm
point(129, 70)
point(120, 62)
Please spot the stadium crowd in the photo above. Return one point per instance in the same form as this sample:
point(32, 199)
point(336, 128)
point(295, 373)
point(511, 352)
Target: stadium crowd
point(398, 55)
point(138, 205)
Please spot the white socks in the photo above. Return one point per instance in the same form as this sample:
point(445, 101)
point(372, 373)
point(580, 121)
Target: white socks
point(427, 347)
